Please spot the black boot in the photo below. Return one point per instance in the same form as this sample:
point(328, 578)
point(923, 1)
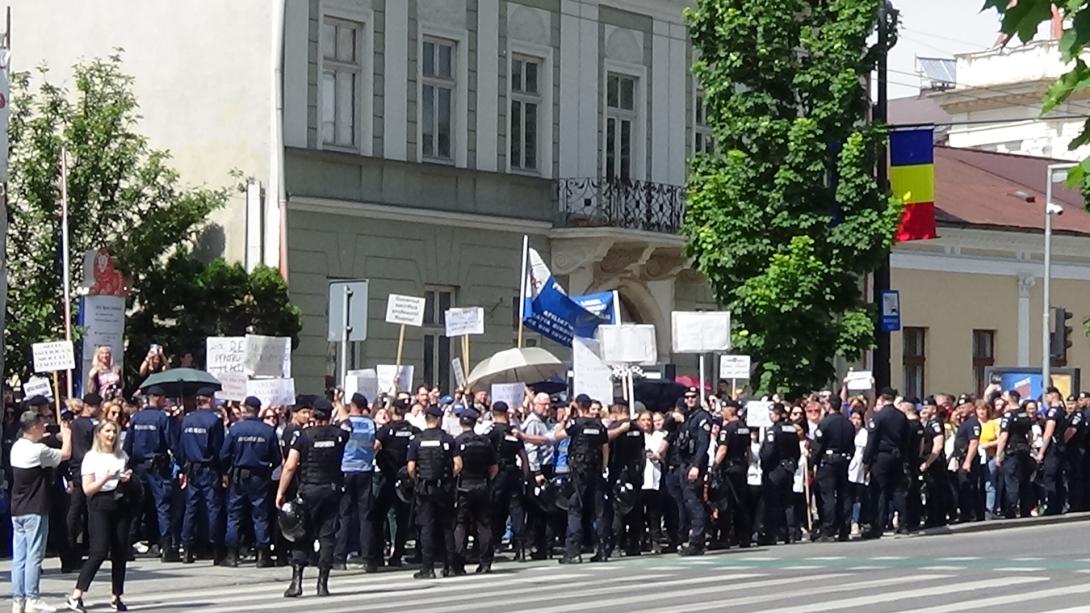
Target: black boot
point(296, 588)
point(323, 582)
point(424, 573)
point(602, 555)
point(264, 560)
point(520, 552)
point(230, 558)
point(167, 552)
point(189, 556)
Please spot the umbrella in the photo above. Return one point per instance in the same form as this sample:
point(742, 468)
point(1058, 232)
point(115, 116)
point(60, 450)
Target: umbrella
point(186, 381)
point(688, 381)
point(658, 394)
point(517, 366)
point(548, 387)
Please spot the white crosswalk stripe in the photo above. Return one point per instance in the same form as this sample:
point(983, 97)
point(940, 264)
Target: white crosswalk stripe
point(1027, 595)
point(918, 592)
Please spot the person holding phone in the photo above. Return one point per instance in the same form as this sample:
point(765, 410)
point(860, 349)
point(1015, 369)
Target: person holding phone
point(154, 362)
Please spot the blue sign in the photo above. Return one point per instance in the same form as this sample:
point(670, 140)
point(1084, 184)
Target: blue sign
point(601, 304)
point(559, 317)
point(889, 320)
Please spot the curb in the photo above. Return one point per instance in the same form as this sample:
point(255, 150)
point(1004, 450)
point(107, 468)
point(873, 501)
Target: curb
point(1002, 524)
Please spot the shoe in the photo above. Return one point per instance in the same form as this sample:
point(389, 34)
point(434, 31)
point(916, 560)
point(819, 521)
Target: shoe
point(264, 560)
point(484, 569)
point(424, 573)
point(17, 606)
point(75, 604)
point(323, 582)
point(296, 588)
point(600, 556)
point(370, 567)
point(340, 566)
point(566, 559)
point(457, 571)
point(539, 555)
point(395, 562)
point(691, 551)
point(189, 556)
point(37, 605)
point(520, 553)
point(118, 605)
point(230, 558)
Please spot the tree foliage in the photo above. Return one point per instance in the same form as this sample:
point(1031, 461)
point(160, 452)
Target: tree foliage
point(787, 216)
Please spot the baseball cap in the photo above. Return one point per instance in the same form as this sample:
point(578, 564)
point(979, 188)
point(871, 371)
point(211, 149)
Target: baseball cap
point(434, 411)
point(469, 413)
point(446, 400)
point(253, 402)
point(500, 407)
point(206, 392)
point(92, 399)
point(155, 390)
point(322, 409)
point(37, 401)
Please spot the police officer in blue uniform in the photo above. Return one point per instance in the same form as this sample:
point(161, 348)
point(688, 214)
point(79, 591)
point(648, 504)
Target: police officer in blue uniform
point(249, 454)
point(391, 456)
point(507, 489)
point(474, 504)
point(694, 464)
point(834, 445)
point(433, 460)
point(199, 446)
point(779, 454)
point(732, 456)
point(1050, 457)
point(149, 443)
point(1012, 455)
point(588, 456)
point(358, 467)
point(885, 456)
point(315, 456)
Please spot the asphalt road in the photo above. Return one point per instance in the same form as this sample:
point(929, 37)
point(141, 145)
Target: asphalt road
point(1037, 568)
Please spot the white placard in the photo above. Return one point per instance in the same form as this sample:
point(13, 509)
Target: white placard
point(387, 373)
point(464, 321)
point(459, 372)
point(228, 354)
point(700, 331)
point(627, 344)
point(734, 367)
point(232, 385)
point(405, 310)
point(265, 356)
point(103, 325)
point(53, 356)
point(858, 380)
point(363, 381)
point(278, 392)
point(37, 386)
point(757, 414)
point(511, 393)
point(590, 375)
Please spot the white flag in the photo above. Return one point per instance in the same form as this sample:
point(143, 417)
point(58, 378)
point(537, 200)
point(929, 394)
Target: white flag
point(539, 275)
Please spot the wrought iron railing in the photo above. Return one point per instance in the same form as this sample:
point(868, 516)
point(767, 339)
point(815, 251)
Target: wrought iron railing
point(635, 205)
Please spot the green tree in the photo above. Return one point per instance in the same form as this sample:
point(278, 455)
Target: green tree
point(787, 217)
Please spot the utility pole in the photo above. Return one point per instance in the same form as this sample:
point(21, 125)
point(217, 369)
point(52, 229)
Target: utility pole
point(880, 277)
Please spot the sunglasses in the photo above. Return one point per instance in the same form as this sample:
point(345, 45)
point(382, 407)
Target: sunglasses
point(690, 398)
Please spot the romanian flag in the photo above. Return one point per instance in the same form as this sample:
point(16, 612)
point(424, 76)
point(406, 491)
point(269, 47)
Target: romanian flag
point(912, 178)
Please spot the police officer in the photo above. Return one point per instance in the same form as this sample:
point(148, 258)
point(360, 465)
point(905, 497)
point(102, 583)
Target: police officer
point(316, 456)
point(694, 464)
point(588, 456)
point(1012, 456)
point(149, 443)
point(933, 466)
point(626, 462)
point(966, 448)
point(249, 454)
point(1074, 444)
point(507, 490)
point(779, 454)
point(392, 445)
point(912, 504)
point(474, 503)
point(199, 444)
point(834, 445)
point(732, 457)
point(884, 457)
point(358, 467)
point(677, 443)
point(433, 460)
point(1050, 457)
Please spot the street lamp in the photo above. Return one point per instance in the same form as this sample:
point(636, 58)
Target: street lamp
point(1056, 173)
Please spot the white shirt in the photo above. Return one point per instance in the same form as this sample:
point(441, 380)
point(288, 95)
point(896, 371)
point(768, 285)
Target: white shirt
point(418, 420)
point(652, 470)
point(856, 470)
point(98, 465)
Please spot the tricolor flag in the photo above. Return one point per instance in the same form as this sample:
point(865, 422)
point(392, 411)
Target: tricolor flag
point(912, 178)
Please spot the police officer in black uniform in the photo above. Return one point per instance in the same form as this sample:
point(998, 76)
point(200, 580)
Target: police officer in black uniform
point(250, 453)
point(588, 456)
point(474, 506)
point(779, 455)
point(433, 461)
point(391, 456)
point(884, 457)
point(694, 465)
point(507, 489)
point(626, 462)
point(199, 446)
point(834, 445)
point(933, 466)
point(912, 503)
point(149, 443)
point(731, 466)
point(1012, 455)
point(1050, 457)
point(966, 445)
point(316, 456)
point(1074, 446)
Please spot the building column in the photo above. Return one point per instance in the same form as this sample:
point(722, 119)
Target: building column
point(1026, 281)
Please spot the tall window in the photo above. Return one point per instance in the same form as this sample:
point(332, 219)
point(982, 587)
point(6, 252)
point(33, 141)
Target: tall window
point(436, 343)
point(525, 103)
point(915, 357)
point(983, 357)
point(621, 117)
point(703, 141)
point(342, 69)
point(437, 98)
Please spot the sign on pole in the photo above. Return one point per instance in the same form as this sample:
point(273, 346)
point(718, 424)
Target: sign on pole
point(357, 310)
point(37, 386)
point(405, 310)
point(859, 380)
point(734, 367)
point(233, 385)
point(511, 393)
point(278, 392)
point(628, 344)
point(363, 381)
point(390, 375)
point(891, 311)
point(590, 375)
point(53, 356)
point(459, 372)
point(464, 321)
point(700, 331)
point(265, 355)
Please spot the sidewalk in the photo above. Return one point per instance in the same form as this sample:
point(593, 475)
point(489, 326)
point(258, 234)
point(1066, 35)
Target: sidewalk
point(1002, 524)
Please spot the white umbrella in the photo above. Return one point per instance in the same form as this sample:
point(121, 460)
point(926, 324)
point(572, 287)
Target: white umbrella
point(526, 365)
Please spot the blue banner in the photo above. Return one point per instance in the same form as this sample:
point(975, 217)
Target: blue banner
point(600, 304)
point(557, 316)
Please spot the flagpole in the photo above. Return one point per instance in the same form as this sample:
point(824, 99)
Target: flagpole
point(64, 259)
point(522, 287)
point(616, 308)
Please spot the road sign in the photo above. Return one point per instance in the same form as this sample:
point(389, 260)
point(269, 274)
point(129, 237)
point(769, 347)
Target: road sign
point(357, 310)
point(891, 311)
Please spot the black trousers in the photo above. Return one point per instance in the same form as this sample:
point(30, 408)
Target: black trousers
point(652, 503)
point(322, 504)
point(968, 493)
point(1074, 478)
point(775, 494)
point(108, 525)
point(355, 529)
point(887, 489)
point(588, 497)
point(735, 522)
point(474, 516)
point(627, 528)
point(507, 503)
point(434, 512)
point(76, 520)
point(934, 493)
point(537, 520)
point(385, 501)
point(1052, 482)
point(836, 500)
point(1019, 493)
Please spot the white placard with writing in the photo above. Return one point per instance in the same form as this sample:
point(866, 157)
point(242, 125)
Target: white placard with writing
point(388, 374)
point(628, 344)
point(232, 385)
point(590, 375)
point(228, 354)
point(858, 380)
point(37, 386)
point(465, 320)
point(265, 355)
point(511, 393)
point(459, 372)
point(364, 381)
point(757, 414)
point(53, 356)
point(272, 392)
point(405, 310)
point(700, 331)
point(734, 367)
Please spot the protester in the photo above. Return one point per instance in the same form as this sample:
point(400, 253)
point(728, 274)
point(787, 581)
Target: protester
point(104, 378)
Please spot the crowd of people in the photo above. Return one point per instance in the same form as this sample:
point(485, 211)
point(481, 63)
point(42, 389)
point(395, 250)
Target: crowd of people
point(463, 477)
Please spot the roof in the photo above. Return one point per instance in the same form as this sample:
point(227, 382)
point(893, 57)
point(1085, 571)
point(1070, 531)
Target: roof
point(977, 188)
point(920, 109)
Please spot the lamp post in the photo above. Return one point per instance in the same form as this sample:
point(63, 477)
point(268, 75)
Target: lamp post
point(1056, 173)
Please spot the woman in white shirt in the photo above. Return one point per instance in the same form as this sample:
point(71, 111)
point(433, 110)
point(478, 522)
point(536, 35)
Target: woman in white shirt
point(857, 473)
point(654, 440)
point(109, 514)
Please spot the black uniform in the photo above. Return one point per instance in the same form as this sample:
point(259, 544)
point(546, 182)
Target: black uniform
point(968, 481)
point(82, 439)
point(913, 479)
point(934, 478)
point(1073, 462)
point(587, 435)
point(834, 445)
point(507, 488)
point(1051, 469)
point(392, 457)
point(779, 460)
point(321, 483)
point(694, 454)
point(626, 461)
point(1017, 464)
point(887, 445)
point(474, 506)
point(731, 479)
point(434, 451)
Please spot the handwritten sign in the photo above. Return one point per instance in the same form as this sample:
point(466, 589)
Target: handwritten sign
point(700, 331)
point(233, 385)
point(405, 310)
point(734, 367)
point(364, 381)
point(53, 356)
point(37, 386)
point(465, 321)
point(265, 355)
point(628, 344)
point(228, 354)
point(459, 372)
point(511, 393)
point(388, 375)
point(757, 414)
point(858, 380)
point(278, 392)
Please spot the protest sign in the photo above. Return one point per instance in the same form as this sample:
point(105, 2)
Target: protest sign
point(37, 386)
point(590, 375)
point(228, 354)
point(627, 344)
point(265, 355)
point(278, 392)
point(389, 374)
point(463, 321)
point(858, 380)
point(363, 381)
point(459, 372)
point(511, 393)
point(53, 356)
point(233, 385)
point(405, 310)
point(757, 414)
point(700, 331)
point(734, 367)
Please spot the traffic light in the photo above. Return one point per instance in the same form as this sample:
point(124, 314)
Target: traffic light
point(1060, 340)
